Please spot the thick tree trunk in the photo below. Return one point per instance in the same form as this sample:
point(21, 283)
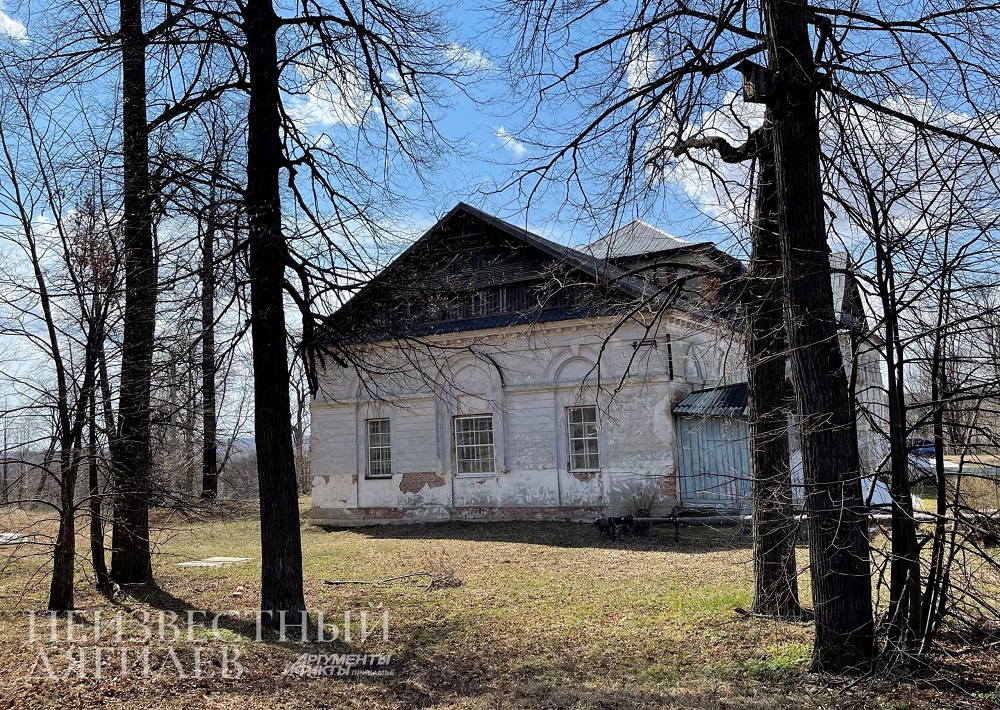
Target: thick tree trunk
point(131, 456)
point(281, 550)
point(209, 465)
point(776, 591)
point(838, 546)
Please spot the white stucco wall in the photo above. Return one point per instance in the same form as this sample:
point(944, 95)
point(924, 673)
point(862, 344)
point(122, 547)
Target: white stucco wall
point(526, 377)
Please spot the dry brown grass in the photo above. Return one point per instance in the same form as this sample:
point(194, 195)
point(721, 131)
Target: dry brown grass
point(545, 616)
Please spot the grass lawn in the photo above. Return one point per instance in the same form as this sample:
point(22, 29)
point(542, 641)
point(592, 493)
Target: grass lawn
point(976, 491)
point(546, 616)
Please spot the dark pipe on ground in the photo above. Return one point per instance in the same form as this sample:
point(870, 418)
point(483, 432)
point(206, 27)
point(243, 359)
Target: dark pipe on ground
point(610, 524)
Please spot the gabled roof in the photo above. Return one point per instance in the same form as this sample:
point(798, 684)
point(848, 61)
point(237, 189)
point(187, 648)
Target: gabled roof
point(633, 239)
point(727, 401)
point(599, 269)
point(344, 323)
point(595, 266)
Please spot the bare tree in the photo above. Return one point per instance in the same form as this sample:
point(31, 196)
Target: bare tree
point(383, 62)
point(631, 88)
point(774, 527)
point(73, 266)
point(922, 216)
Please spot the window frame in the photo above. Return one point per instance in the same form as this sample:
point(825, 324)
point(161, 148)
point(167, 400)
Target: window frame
point(456, 446)
point(570, 439)
point(386, 447)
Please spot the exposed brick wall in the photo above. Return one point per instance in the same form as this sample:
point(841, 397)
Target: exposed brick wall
point(415, 482)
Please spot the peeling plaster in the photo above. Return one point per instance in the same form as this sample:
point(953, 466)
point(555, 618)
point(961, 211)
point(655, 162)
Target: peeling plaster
point(415, 482)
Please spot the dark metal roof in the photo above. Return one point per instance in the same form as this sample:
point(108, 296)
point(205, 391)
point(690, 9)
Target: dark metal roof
point(605, 274)
point(728, 401)
point(501, 320)
point(599, 268)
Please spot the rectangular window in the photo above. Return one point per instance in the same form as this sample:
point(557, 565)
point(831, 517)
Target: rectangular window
point(474, 450)
point(584, 453)
point(379, 451)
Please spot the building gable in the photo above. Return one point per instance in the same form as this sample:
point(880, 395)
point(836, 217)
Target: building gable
point(473, 271)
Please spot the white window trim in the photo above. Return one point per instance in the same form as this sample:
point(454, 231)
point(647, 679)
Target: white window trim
point(454, 444)
point(570, 439)
point(368, 448)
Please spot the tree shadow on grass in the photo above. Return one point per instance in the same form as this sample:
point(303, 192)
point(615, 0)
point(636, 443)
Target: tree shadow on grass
point(445, 666)
point(241, 625)
point(694, 539)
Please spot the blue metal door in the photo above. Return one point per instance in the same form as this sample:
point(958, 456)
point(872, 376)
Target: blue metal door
point(713, 462)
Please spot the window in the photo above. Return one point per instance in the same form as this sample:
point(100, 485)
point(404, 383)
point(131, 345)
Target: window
point(379, 451)
point(584, 454)
point(474, 451)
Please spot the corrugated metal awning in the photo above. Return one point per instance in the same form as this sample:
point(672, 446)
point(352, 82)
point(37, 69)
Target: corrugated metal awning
point(728, 401)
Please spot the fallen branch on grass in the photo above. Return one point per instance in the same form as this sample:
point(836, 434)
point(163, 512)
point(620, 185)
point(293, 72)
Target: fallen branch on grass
point(436, 580)
point(804, 614)
point(377, 581)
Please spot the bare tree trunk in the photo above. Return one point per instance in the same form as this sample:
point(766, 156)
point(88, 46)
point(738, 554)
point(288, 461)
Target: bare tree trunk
point(64, 554)
point(935, 593)
point(838, 546)
point(97, 557)
point(299, 436)
point(209, 465)
point(776, 590)
point(5, 496)
point(905, 609)
point(131, 456)
point(281, 549)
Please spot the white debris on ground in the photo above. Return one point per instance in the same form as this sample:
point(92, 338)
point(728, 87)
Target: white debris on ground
point(10, 538)
point(213, 562)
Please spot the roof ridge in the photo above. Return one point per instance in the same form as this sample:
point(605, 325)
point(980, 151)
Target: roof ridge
point(651, 226)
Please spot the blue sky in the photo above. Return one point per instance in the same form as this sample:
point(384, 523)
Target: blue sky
point(493, 130)
point(489, 129)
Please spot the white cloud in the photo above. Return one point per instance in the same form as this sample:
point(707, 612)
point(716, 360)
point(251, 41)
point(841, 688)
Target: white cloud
point(334, 97)
point(721, 190)
point(342, 96)
point(916, 178)
point(467, 59)
point(511, 144)
point(641, 64)
point(13, 29)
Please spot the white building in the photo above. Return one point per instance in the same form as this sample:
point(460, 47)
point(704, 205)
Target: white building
point(491, 374)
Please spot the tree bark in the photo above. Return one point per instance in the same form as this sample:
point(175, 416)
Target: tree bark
point(838, 546)
point(776, 591)
point(64, 554)
point(97, 558)
point(131, 455)
point(905, 626)
point(281, 550)
point(209, 465)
